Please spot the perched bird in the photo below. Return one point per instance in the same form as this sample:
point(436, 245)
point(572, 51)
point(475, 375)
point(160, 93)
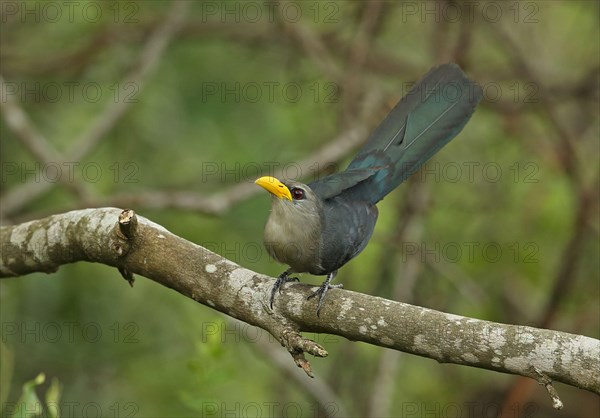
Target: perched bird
point(319, 227)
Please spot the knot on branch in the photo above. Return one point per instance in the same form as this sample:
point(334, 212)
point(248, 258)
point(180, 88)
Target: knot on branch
point(127, 224)
point(125, 232)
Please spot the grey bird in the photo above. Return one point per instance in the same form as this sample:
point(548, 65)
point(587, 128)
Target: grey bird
point(319, 227)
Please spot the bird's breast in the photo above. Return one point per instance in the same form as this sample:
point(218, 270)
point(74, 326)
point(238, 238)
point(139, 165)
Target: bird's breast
point(292, 237)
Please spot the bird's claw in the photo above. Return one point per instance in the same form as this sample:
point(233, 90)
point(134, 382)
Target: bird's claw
point(281, 280)
point(321, 291)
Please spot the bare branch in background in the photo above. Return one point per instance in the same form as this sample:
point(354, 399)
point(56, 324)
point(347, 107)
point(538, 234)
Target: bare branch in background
point(317, 389)
point(314, 47)
point(21, 125)
point(353, 82)
point(565, 143)
point(333, 151)
point(147, 61)
point(565, 153)
point(24, 129)
point(571, 255)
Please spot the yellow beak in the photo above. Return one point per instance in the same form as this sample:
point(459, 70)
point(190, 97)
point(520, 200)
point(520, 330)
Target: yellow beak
point(275, 187)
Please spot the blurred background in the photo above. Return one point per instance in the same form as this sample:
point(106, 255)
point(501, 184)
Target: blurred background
point(174, 108)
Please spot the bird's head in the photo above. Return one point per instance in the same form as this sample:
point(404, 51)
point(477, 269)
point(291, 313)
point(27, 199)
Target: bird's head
point(291, 194)
point(291, 198)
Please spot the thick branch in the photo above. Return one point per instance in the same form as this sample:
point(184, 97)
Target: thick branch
point(99, 235)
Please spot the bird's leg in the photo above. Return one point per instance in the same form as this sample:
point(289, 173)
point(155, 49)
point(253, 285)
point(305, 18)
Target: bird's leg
point(282, 279)
point(325, 286)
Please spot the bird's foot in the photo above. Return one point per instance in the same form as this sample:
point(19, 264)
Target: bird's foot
point(322, 290)
point(281, 280)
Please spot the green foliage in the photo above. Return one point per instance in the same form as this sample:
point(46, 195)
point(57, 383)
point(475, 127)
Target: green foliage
point(29, 404)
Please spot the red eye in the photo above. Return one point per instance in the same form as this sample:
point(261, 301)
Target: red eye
point(297, 194)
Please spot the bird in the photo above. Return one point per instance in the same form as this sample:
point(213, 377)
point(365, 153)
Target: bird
point(318, 227)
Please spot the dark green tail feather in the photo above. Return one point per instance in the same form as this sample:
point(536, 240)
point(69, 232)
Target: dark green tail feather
point(433, 112)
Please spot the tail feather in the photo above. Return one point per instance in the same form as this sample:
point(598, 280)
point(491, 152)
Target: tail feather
point(433, 112)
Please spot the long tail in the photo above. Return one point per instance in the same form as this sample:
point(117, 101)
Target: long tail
point(433, 112)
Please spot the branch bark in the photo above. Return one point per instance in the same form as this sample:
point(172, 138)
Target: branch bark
point(134, 244)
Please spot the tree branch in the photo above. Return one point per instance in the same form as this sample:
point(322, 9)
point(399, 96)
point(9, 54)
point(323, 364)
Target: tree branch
point(136, 245)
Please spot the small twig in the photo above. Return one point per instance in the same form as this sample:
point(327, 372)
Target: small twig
point(297, 345)
point(545, 381)
point(127, 275)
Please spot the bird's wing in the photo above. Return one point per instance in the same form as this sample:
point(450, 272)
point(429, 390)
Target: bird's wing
point(334, 184)
point(347, 228)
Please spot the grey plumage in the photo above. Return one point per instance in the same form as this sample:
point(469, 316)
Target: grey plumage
point(307, 235)
point(293, 224)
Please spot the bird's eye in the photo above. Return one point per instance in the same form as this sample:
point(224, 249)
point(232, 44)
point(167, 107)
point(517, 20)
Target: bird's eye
point(297, 193)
